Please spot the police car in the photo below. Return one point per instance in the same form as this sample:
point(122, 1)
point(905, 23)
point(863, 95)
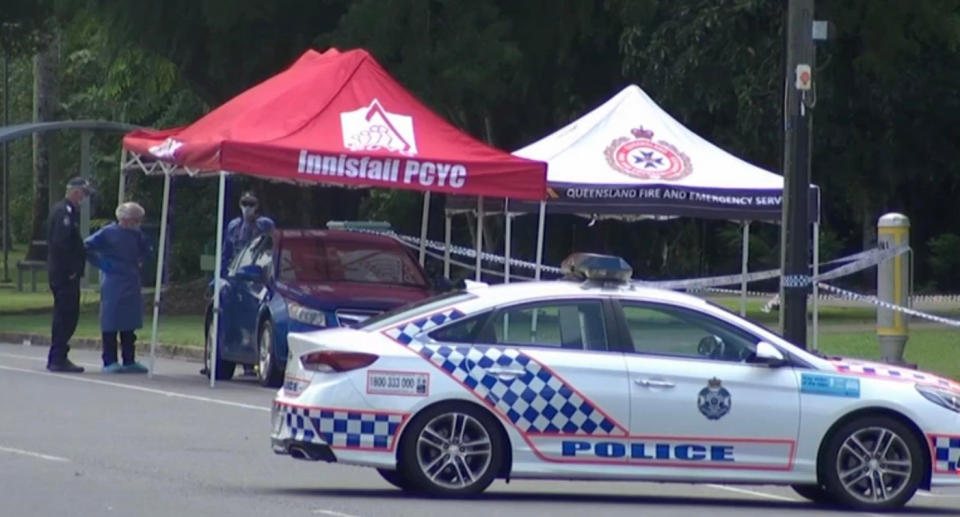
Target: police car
point(596, 377)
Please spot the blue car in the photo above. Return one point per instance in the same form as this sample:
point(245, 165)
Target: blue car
point(305, 280)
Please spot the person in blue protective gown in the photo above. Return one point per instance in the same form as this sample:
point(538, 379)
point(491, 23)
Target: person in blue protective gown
point(118, 250)
point(240, 231)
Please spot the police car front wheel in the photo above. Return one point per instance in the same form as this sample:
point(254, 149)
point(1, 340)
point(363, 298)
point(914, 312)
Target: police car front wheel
point(395, 478)
point(452, 449)
point(873, 463)
point(815, 493)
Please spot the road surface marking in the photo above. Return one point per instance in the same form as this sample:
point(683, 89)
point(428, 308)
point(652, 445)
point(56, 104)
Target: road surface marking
point(754, 493)
point(32, 454)
point(44, 359)
point(933, 494)
point(172, 394)
point(333, 513)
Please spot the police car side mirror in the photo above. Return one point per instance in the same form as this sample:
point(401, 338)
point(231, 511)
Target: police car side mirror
point(768, 354)
point(250, 272)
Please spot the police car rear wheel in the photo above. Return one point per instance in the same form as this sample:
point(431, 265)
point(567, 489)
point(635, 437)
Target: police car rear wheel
point(452, 449)
point(815, 493)
point(873, 463)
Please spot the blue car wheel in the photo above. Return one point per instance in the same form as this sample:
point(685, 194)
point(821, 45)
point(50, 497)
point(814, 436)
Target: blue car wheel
point(270, 371)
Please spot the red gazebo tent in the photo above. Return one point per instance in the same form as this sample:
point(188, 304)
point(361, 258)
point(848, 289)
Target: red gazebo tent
point(332, 117)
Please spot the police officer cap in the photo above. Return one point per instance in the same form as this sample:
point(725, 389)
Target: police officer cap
point(81, 183)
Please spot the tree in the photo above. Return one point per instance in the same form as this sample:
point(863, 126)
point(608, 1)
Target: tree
point(24, 26)
point(45, 66)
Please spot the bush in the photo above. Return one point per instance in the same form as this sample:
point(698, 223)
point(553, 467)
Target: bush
point(944, 261)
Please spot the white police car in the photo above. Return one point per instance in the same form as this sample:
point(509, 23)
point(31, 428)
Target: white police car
point(601, 379)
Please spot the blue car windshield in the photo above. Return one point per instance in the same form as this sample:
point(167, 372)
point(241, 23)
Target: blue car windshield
point(335, 260)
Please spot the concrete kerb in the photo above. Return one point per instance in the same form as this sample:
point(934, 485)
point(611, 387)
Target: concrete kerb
point(165, 350)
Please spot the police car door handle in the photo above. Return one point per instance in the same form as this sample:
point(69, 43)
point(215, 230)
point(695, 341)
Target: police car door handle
point(651, 383)
point(505, 372)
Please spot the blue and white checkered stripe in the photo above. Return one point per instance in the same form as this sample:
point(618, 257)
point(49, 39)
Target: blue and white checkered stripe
point(405, 333)
point(946, 453)
point(536, 401)
point(341, 428)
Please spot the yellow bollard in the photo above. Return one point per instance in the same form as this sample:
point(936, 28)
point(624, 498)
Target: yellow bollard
point(893, 286)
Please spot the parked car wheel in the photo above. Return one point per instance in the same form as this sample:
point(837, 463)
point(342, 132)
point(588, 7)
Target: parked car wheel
point(873, 463)
point(452, 449)
point(270, 371)
point(224, 368)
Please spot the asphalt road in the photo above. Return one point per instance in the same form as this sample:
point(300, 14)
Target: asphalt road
point(95, 445)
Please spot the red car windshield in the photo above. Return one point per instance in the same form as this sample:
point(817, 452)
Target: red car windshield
point(335, 260)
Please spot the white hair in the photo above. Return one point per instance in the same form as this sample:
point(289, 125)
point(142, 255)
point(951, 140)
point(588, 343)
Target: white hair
point(130, 210)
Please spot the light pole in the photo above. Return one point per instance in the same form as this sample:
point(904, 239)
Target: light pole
point(5, 201)
point(795, 227)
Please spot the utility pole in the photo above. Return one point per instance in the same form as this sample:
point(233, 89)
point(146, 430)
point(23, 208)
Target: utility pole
point(5, 199)
point(795, 225)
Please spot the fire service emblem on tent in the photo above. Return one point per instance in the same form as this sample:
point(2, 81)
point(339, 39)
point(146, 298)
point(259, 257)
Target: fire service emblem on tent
point(641, 157)
point(373, 128)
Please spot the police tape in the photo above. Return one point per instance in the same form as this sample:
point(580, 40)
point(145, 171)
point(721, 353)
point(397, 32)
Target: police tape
point(454, 262)
point(854, 263)
point(463, 251)
point(867, 259)
point(916, 299)
point(873, 300)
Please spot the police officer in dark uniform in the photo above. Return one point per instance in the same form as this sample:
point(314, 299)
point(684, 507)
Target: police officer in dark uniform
point(66, 259)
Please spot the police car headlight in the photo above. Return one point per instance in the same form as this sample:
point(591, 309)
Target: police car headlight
point(306, 315)
point(940, 397)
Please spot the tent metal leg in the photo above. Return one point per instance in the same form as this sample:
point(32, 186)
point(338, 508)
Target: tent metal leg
point(480, 217)
point(745, 259)
point(161, 258)
point(217, 272)
point(540, 227)
point(447, 223)
point(506, 240)
point(816, 290)
point(424, 220)
point(122, 181)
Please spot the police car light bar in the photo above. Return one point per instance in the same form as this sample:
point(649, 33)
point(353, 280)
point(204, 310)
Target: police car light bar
point(377, 226)
point(597, 268)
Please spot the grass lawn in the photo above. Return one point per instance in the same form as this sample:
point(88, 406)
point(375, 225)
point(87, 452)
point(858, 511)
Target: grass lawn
point(12, 301)
point(933, 350)
point(831, 311)
point(178, 330)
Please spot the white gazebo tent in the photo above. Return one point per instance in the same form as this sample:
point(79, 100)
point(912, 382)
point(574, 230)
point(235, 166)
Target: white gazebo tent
point(629, 158)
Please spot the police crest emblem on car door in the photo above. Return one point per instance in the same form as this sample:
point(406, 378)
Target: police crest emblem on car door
point(714, 400)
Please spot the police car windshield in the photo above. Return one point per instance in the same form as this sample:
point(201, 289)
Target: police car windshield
point(411, 310)
point(746, 318)
point(344, 260)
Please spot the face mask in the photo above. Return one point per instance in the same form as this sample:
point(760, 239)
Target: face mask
point(248, 211)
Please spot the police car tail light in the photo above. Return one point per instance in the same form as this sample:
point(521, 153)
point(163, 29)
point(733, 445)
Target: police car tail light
point(596, 268)
point(327, 361)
